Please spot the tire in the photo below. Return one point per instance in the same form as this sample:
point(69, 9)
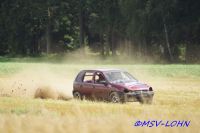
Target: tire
point(77, 95)
point(115, 98)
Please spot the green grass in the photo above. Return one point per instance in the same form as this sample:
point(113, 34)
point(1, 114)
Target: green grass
point(173, 70)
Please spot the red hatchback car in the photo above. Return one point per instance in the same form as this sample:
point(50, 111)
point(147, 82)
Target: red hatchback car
point(111, 85)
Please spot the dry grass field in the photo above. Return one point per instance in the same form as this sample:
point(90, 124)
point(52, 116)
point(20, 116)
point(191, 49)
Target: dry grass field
point(177, 97)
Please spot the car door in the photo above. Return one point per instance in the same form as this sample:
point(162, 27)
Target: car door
point(87, 85)
point(101, 89)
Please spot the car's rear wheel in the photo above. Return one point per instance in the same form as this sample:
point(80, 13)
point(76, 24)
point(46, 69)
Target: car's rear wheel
point(114, 97)
point(77, 95)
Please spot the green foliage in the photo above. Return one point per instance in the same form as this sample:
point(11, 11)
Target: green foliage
point(107, 26)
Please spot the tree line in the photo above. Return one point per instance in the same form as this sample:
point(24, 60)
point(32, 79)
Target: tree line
point(167, 29)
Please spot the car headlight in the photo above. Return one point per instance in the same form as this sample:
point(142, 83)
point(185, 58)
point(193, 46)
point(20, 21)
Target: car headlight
point(126, 90)
point(150, 89)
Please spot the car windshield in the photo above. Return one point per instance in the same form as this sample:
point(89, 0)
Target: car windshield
point(119, 77)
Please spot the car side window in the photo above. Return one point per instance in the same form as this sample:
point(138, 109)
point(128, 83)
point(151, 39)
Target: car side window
point(99, 78)
point(88, 77)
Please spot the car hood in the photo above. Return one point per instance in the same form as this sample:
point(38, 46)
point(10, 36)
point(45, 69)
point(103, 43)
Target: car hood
point(133, 86)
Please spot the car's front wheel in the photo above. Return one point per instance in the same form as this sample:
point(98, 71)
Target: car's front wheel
point(114, 97)
point(77, 95)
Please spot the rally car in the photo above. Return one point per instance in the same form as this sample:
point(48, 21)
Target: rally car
point(112, 85)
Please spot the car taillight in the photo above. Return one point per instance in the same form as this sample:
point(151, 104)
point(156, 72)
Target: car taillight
point(150, 89)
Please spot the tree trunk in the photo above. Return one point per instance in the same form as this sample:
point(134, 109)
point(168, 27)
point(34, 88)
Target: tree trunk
point(113, 43)
point(48, 33)
point(108, 42)
point(102, 44)
point(81, 23)
point(167, 41)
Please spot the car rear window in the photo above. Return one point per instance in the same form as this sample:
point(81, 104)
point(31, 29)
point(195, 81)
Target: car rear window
point(80, 76)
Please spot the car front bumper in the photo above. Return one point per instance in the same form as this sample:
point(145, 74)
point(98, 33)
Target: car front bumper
point(135, 95)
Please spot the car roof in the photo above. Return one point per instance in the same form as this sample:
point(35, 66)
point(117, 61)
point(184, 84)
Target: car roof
point(102, 70)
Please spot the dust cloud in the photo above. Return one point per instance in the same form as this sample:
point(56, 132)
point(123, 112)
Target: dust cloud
point(37, 82)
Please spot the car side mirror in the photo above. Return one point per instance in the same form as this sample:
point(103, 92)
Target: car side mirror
point(104, 82)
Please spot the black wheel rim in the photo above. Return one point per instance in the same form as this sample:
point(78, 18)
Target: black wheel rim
point(114, 98)
point(77, 95)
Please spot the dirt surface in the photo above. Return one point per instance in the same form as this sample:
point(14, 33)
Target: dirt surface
point(36, 83)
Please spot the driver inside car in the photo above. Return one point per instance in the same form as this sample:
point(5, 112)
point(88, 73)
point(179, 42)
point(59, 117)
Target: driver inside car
point(99, 78)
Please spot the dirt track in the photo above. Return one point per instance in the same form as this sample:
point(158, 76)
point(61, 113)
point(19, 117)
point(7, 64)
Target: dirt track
point(28, 82)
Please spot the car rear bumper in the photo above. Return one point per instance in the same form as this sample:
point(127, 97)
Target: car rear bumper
point(135, 95)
